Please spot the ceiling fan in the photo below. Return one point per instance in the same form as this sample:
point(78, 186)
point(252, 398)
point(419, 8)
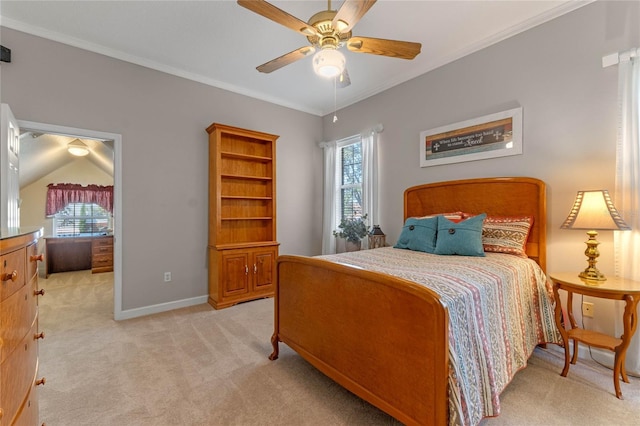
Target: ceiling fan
point(327, 32)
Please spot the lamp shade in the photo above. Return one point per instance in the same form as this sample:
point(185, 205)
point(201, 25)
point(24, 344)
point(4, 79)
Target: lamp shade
point(328, 63)
point(594, 210)
point(78, 148)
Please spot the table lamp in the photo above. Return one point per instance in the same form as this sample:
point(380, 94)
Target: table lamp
point(593, 211)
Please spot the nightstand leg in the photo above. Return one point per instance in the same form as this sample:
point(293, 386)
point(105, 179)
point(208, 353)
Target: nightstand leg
point(616, 374)
point(561, 329)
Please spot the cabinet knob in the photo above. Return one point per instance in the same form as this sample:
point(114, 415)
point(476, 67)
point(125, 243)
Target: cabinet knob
point(37, 258)
point(41, 381)
point(12, 276)
point(38, 336)
point(39, 292)
point(255, 268)
point(246, 270)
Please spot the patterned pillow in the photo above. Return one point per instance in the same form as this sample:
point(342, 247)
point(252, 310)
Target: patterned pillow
point(506, 234)
point(418, 234)
point(462, 238)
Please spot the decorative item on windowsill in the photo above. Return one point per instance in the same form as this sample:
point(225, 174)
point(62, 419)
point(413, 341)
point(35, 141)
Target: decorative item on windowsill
point(376, 237)
point(353, 230)
point(593, 210)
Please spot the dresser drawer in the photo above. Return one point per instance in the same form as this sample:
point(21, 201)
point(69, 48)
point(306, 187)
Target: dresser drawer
point(12, 272)
point(28, 415)
point(102, 260)
point(32, 260)
point(18, 315)
point(102, 245)
point(18, 373)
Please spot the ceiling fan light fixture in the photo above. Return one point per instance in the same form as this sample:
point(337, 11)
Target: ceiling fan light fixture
point(78, 148)
point(328, 63)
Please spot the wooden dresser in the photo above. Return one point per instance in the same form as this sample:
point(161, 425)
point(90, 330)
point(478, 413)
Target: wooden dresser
point(102, 254)
point(19, 333)
point(242, 215)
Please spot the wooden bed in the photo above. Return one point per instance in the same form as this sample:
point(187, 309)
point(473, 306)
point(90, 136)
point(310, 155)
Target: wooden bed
point(344, 320)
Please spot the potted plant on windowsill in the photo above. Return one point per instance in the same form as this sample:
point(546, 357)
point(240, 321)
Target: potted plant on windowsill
point(353, 231)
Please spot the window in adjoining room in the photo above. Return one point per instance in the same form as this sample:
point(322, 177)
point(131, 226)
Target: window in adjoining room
point(81, 220)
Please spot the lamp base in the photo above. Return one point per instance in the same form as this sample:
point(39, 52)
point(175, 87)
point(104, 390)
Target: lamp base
point(592, 253)
point(592, 274)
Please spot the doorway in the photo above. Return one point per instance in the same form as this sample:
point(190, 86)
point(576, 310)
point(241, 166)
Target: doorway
point(115, 140)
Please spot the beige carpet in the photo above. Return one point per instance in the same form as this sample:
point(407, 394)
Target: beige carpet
point(199, 366)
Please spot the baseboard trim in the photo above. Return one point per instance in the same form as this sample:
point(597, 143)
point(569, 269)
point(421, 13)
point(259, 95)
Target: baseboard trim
point(161, 307)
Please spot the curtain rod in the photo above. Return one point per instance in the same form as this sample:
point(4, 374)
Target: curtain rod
point(616, 58)
point(378, 128)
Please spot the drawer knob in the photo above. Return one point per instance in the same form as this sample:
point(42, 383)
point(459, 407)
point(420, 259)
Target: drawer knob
point(38, 336)
point(12, 276)
point(37, 258)
point(41, 381)
point(39, 292)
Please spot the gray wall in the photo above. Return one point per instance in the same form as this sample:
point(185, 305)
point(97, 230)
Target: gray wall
point(162, 120)
point(569, 102)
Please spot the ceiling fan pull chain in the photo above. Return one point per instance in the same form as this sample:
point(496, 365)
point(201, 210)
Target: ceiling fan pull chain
point(335, 96)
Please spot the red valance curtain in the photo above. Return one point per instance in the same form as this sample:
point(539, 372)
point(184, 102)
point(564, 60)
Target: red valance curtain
point(61, 194)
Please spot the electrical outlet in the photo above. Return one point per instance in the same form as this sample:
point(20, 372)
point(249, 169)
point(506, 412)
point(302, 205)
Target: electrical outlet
point(587, 309)
point(167, 277)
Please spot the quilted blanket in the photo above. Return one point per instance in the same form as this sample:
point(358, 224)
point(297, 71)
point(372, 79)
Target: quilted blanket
point(500, 307)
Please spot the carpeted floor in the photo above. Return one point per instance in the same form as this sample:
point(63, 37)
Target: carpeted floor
point(199, 366)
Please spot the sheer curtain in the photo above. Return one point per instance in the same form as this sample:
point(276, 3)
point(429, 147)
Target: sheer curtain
point(329, 198)
point(370, 178)
point(627, 243)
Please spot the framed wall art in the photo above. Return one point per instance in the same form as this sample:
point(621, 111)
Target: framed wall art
point(490, 136)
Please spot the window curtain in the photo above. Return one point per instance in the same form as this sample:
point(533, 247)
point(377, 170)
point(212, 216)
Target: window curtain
point(329, 198)
point(627, 243)
point(61, 194)
point(370, 178)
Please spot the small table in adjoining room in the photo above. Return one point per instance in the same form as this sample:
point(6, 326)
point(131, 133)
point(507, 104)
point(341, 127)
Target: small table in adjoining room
point(614, 289)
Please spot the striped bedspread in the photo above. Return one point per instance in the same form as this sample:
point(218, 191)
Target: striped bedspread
point(500, 307)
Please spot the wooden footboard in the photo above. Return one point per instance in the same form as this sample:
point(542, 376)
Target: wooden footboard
point(383, 338)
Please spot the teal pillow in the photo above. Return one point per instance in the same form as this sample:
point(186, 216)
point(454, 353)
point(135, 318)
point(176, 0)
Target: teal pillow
point(462, 238)
point(418, 234)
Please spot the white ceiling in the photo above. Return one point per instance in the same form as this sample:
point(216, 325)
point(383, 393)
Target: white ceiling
point(220, 43)
point(42, 154)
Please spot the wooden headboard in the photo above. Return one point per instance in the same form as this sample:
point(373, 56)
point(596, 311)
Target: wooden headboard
point(505, 196)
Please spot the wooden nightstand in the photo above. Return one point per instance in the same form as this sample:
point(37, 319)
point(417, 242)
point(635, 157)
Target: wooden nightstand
point(613, 288)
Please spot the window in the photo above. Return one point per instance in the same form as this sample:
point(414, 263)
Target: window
point(350, 183)
point(349, 203)
point(81, 220)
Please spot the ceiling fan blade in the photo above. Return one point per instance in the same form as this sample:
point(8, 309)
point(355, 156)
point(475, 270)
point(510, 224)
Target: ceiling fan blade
point(286, 59)
point(343, 80)
point(350, 12)
point(279, 16)
point(384, 47)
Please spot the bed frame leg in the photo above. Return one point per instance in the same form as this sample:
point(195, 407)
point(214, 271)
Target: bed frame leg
point(274, 343)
